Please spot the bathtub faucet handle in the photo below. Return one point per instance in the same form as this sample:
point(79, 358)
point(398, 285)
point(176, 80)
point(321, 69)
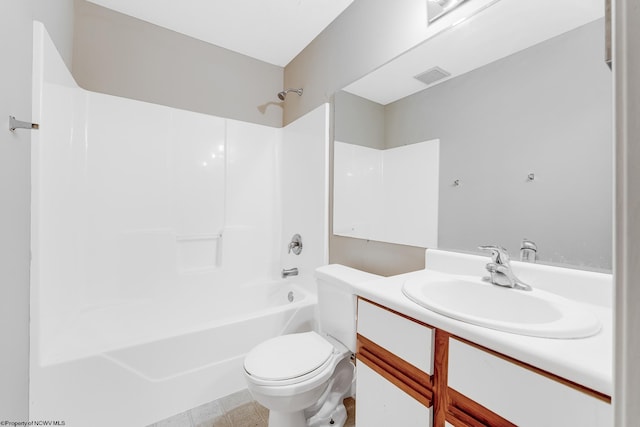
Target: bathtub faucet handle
point(289, 272)
point(295, 244)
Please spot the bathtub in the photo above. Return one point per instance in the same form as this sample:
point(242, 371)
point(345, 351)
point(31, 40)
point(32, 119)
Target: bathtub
point(115, 375)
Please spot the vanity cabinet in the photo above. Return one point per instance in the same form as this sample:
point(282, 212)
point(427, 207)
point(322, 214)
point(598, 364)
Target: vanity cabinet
point(521, 394)
point(393, 370)
point(412, 374)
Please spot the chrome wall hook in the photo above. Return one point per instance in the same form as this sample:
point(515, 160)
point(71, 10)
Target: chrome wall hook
point(17, 124)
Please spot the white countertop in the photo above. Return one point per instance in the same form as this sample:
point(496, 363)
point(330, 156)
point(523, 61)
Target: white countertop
point(585, 361)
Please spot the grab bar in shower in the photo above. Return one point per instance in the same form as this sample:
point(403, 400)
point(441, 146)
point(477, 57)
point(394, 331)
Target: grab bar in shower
point(18, 124)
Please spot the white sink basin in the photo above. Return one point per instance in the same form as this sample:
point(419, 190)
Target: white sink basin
point(535, 313)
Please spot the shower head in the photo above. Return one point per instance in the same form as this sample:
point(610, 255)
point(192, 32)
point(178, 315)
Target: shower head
point(282, 95)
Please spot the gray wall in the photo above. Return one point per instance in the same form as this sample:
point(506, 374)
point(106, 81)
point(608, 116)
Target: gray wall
point(58, 18)
point(366, 35)
point(16, 34)
point(120, 55)
point(360, 122)
point(546, 110)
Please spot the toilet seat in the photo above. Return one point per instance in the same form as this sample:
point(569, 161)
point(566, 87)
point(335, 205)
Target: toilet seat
point(289, 359)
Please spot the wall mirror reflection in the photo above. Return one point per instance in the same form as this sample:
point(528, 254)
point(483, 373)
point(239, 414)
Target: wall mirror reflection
point(387, 195)
point(522, 112)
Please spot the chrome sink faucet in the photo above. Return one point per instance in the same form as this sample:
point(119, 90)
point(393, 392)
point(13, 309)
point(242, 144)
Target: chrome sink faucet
point(499, 269)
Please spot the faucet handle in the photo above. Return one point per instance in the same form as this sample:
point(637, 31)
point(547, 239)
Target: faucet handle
point(528, 244)
point(499, 255)
point(528, 251)
point(295, 244)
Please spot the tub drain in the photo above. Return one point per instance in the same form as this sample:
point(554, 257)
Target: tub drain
point(290, 296)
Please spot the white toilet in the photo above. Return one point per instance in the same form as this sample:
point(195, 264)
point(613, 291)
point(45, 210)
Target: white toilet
point(303, 378)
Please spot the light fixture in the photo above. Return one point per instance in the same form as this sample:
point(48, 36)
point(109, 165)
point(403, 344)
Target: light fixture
point(438, 8)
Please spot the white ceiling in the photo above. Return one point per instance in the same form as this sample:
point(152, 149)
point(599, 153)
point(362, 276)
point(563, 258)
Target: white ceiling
point(498, 30)
point(274, 31)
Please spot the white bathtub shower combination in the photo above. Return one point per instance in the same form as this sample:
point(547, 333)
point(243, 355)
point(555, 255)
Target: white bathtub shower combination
point(158, 236)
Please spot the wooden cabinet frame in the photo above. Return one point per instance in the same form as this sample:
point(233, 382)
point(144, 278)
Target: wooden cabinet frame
point(405, 376)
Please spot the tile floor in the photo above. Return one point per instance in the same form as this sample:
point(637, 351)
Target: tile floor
point(235, 410)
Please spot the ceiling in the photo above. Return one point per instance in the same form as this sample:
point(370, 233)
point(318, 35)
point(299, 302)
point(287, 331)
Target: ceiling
point(273, 31)
point(500, 28)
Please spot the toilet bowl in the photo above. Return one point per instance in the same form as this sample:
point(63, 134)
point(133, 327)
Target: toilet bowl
point(303, 378)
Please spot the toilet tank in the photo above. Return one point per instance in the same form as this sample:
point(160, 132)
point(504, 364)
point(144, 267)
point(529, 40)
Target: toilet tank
point(337, 301)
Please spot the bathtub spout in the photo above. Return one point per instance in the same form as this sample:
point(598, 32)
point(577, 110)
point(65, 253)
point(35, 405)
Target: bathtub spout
point(289, 272)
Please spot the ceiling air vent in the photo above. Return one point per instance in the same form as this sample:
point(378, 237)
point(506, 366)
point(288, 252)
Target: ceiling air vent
point(432, 75)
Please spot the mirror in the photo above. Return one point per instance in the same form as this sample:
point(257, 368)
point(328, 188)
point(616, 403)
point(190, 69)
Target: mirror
point(524, 124)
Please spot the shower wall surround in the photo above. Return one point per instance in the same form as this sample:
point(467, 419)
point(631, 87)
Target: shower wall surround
point(130, 204)
point(304, 172)
point(136, 202)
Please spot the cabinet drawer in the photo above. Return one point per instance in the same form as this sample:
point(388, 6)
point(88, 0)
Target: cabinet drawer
point(522, 396)
point(382, 404)
point(407, 339)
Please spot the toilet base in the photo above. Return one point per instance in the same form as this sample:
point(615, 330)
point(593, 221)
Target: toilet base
point(329, 410)
point(297, 419)
point(337, 418)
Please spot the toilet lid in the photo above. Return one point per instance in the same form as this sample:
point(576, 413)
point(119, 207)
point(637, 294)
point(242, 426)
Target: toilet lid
point(288, 356)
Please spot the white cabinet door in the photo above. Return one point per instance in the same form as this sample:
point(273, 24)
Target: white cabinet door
point(520, 395)
point(407, 339)
point(382, 404)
